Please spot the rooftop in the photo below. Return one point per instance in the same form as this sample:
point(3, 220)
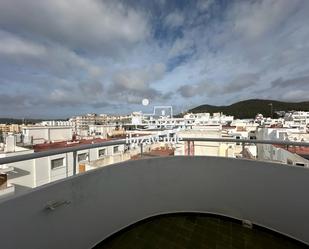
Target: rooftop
point(300, 150)
point(66, 144)
point(112, 198)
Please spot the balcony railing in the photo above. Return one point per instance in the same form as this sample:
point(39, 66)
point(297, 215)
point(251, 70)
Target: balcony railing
point(75, 149)
point(70, 155)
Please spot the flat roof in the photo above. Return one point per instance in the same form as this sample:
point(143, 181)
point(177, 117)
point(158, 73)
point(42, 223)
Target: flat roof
point(66, 144)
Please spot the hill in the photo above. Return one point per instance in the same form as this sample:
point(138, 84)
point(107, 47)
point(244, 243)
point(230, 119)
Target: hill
point(249, 108)
point(20, 121)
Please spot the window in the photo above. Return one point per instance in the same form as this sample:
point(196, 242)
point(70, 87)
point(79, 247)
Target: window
point(82, 157)
point(237, 137)
point(102, 152)
point(116, 149)
point(56, 163)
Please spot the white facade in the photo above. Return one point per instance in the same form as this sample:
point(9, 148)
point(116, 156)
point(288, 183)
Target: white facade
point(273, 153)
point(44, 134)
point(21, 173)
point(57, 123)
point(187, 122)
point(206, 118)
point(200, 148)
point(36, 172)
point(82, 123)
point(102, 130)
point(300, 117)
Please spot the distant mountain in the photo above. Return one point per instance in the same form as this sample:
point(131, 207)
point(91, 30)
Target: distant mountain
point(20, 121)
point(249, 108)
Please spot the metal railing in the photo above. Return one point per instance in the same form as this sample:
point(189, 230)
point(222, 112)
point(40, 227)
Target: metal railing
point(140, 149)
point(246, 141)
point(243, 142)
point(75, 149)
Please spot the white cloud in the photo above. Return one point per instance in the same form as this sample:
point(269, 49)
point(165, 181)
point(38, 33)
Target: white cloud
point(51, 58)
point(181, 47)
point(82, 54)
point(77, 23)
point(11, 45)
point(204, 5)
point(254, 20)
point(138, 78)
point(295, 95)
point(205, 88)
point(174, 20)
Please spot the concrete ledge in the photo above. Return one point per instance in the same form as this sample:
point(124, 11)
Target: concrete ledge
point(91, 206)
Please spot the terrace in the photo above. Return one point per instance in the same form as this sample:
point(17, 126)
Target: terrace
point(205, 199)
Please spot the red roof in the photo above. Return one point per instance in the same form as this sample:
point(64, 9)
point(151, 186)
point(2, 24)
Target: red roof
point(67, 144)
point(300, 150)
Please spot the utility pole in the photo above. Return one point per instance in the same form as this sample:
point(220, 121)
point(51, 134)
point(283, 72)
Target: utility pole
point(271, 110)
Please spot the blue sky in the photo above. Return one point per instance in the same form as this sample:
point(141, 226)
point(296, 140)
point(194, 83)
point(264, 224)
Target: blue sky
point(65, 57)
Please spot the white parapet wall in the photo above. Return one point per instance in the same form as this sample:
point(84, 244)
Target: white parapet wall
point(270, 152)
point(81, 211)
point(43, 134)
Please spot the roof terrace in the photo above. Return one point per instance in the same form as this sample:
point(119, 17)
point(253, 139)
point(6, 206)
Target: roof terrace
point(203, 200)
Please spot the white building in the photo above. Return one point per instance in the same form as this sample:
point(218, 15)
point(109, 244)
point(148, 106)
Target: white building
point(46, 134)
point(201, 148)
point(36, 172)
point(300, 117)
point(276, 153)
point(57, 123)
point(207, 119)
point(102, 131)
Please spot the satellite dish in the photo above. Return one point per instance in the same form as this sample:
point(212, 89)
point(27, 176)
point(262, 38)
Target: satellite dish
point(145, 102)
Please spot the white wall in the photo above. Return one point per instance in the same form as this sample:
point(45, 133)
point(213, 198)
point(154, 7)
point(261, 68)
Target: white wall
point(200, 148)
point(103, 201)
point(46, 134)
point(37, 172)
point(273, 153)
point(23, 171)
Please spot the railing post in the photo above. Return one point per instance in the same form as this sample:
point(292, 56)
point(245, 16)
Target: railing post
point(243, 149)
point(257, 151)
point(67, 165)
point(141, 146)
point(74, 162)
point(189, 148)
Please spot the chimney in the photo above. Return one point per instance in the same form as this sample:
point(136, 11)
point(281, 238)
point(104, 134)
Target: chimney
point(10, 143)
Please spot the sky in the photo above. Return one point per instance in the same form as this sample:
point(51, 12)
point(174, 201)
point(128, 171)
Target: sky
point(60, 58)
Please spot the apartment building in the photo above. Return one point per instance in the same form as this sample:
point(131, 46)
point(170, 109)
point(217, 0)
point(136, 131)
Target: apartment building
point(13, 128)
point(36, 172)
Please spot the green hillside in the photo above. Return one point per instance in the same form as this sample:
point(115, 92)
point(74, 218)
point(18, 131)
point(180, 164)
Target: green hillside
point(249, 108)
point(20, 121)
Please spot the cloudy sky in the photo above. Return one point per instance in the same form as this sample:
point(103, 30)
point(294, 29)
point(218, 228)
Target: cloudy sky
point(64, 57)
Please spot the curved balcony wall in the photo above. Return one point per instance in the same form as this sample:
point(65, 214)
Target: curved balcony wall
point(80, 211)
